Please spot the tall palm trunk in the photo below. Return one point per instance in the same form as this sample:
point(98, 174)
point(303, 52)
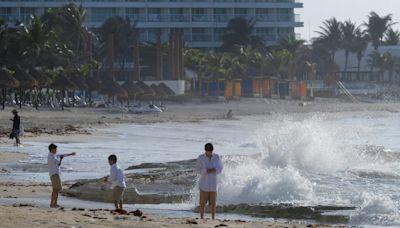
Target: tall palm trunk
point(346, 63)
point(136, 57)
point(159, 57)
point(4, 92)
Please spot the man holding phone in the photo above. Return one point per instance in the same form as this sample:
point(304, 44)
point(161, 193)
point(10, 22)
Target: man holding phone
point(208, 166)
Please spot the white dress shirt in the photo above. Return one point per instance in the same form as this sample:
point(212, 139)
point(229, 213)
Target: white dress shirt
point(208, 181)
point(116, 177)
point(53, 161)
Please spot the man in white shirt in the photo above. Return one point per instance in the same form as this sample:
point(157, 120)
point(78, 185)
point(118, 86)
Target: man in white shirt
point(117, 180)
point(208, 166)
point(54, 162)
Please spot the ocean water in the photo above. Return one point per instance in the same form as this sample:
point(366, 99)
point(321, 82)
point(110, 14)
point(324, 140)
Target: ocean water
point(338, 159)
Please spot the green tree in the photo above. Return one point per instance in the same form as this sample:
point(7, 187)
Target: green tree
point(239, 32)
point(377, 27)
point(290, 43)
point(349, 30)
point(360, 45)
point(392, 37)
point(330, 36)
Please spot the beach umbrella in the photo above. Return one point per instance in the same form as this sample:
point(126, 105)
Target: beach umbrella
point(93, 83)
point(146, 89)
point(132, 89)
point(25, 80)
point(78, 80)
point(112, 88)
point(42, 79)
point(7, 81)
point(62, 82)
point(158, 91)
point(166, 89)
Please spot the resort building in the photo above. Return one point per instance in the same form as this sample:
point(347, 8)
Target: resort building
point(202, 21)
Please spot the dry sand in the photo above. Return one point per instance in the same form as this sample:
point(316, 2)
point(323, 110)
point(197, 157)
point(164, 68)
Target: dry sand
point(71, 124)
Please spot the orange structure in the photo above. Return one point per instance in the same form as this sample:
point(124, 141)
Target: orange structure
point(237, 85)
point(256, 87)
point(265, 88)
point(303, 88)
point(229, 88)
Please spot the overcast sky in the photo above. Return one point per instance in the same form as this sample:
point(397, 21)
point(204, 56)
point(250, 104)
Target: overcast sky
point(316, 11)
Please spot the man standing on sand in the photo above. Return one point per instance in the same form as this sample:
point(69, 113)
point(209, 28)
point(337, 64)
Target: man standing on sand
point(15, 129)
point(54, 162)
point(208, 166)
point(117, 180)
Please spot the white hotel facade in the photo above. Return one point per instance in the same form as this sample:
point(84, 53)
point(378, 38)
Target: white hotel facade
point(202, 21)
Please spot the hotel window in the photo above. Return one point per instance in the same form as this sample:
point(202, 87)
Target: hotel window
point(178, 15)
point(133, 14)
point(6, 14)
point(284, 32)
point(218, 34)
point(200, 35)
point(154, 14)
point(285, 15)
point(267, 34)
point(199, 15)
point(101, 14)
point(265, 15)
point(26, 13)
point(241, 12)
point(221, 15)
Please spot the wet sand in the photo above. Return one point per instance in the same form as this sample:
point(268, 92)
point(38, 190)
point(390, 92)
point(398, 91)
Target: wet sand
point(77, 124)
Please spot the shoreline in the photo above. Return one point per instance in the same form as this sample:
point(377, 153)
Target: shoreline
point(80, 125)
point(74, 121)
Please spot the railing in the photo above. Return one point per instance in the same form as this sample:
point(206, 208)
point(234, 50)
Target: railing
point(222, 1)
point(201, 37)
point(179, 17)
point(201, 18)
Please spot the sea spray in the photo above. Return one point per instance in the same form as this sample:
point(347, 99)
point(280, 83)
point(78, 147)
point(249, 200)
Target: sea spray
point(375, 209)
point(253, 183)
point(307, 145)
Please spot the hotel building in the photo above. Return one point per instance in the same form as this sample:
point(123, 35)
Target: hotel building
point(203, 21)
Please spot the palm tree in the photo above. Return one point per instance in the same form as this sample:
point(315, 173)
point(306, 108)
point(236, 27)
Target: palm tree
point(376, 59)
point(392, 37)
point(34, 39)
point(123, 33)
point(238, 32)
point(389, 64)
point(330, 36)
point(3, 41)
point(290, 43)
point(377, 27)
point(349, 31)
point(360, 45)
point(75, 33)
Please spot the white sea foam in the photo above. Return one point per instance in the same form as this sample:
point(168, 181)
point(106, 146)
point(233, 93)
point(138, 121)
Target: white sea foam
point(375, 209)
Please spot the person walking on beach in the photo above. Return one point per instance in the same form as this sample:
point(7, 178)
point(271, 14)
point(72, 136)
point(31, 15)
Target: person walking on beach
point(117, 181)
point(15, 128)
point(208, 166)
point(54, 162)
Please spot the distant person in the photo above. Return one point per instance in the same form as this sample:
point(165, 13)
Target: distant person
point(117, 180)
point(208, 166)
point(229, 115)
point(15, 128)
point(54, 163)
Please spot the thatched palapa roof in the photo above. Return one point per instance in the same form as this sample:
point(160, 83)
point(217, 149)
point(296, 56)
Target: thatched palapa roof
point(6, 80)
point(25, 79)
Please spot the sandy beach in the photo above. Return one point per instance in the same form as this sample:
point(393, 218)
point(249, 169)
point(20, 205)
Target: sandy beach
point(78, 124)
